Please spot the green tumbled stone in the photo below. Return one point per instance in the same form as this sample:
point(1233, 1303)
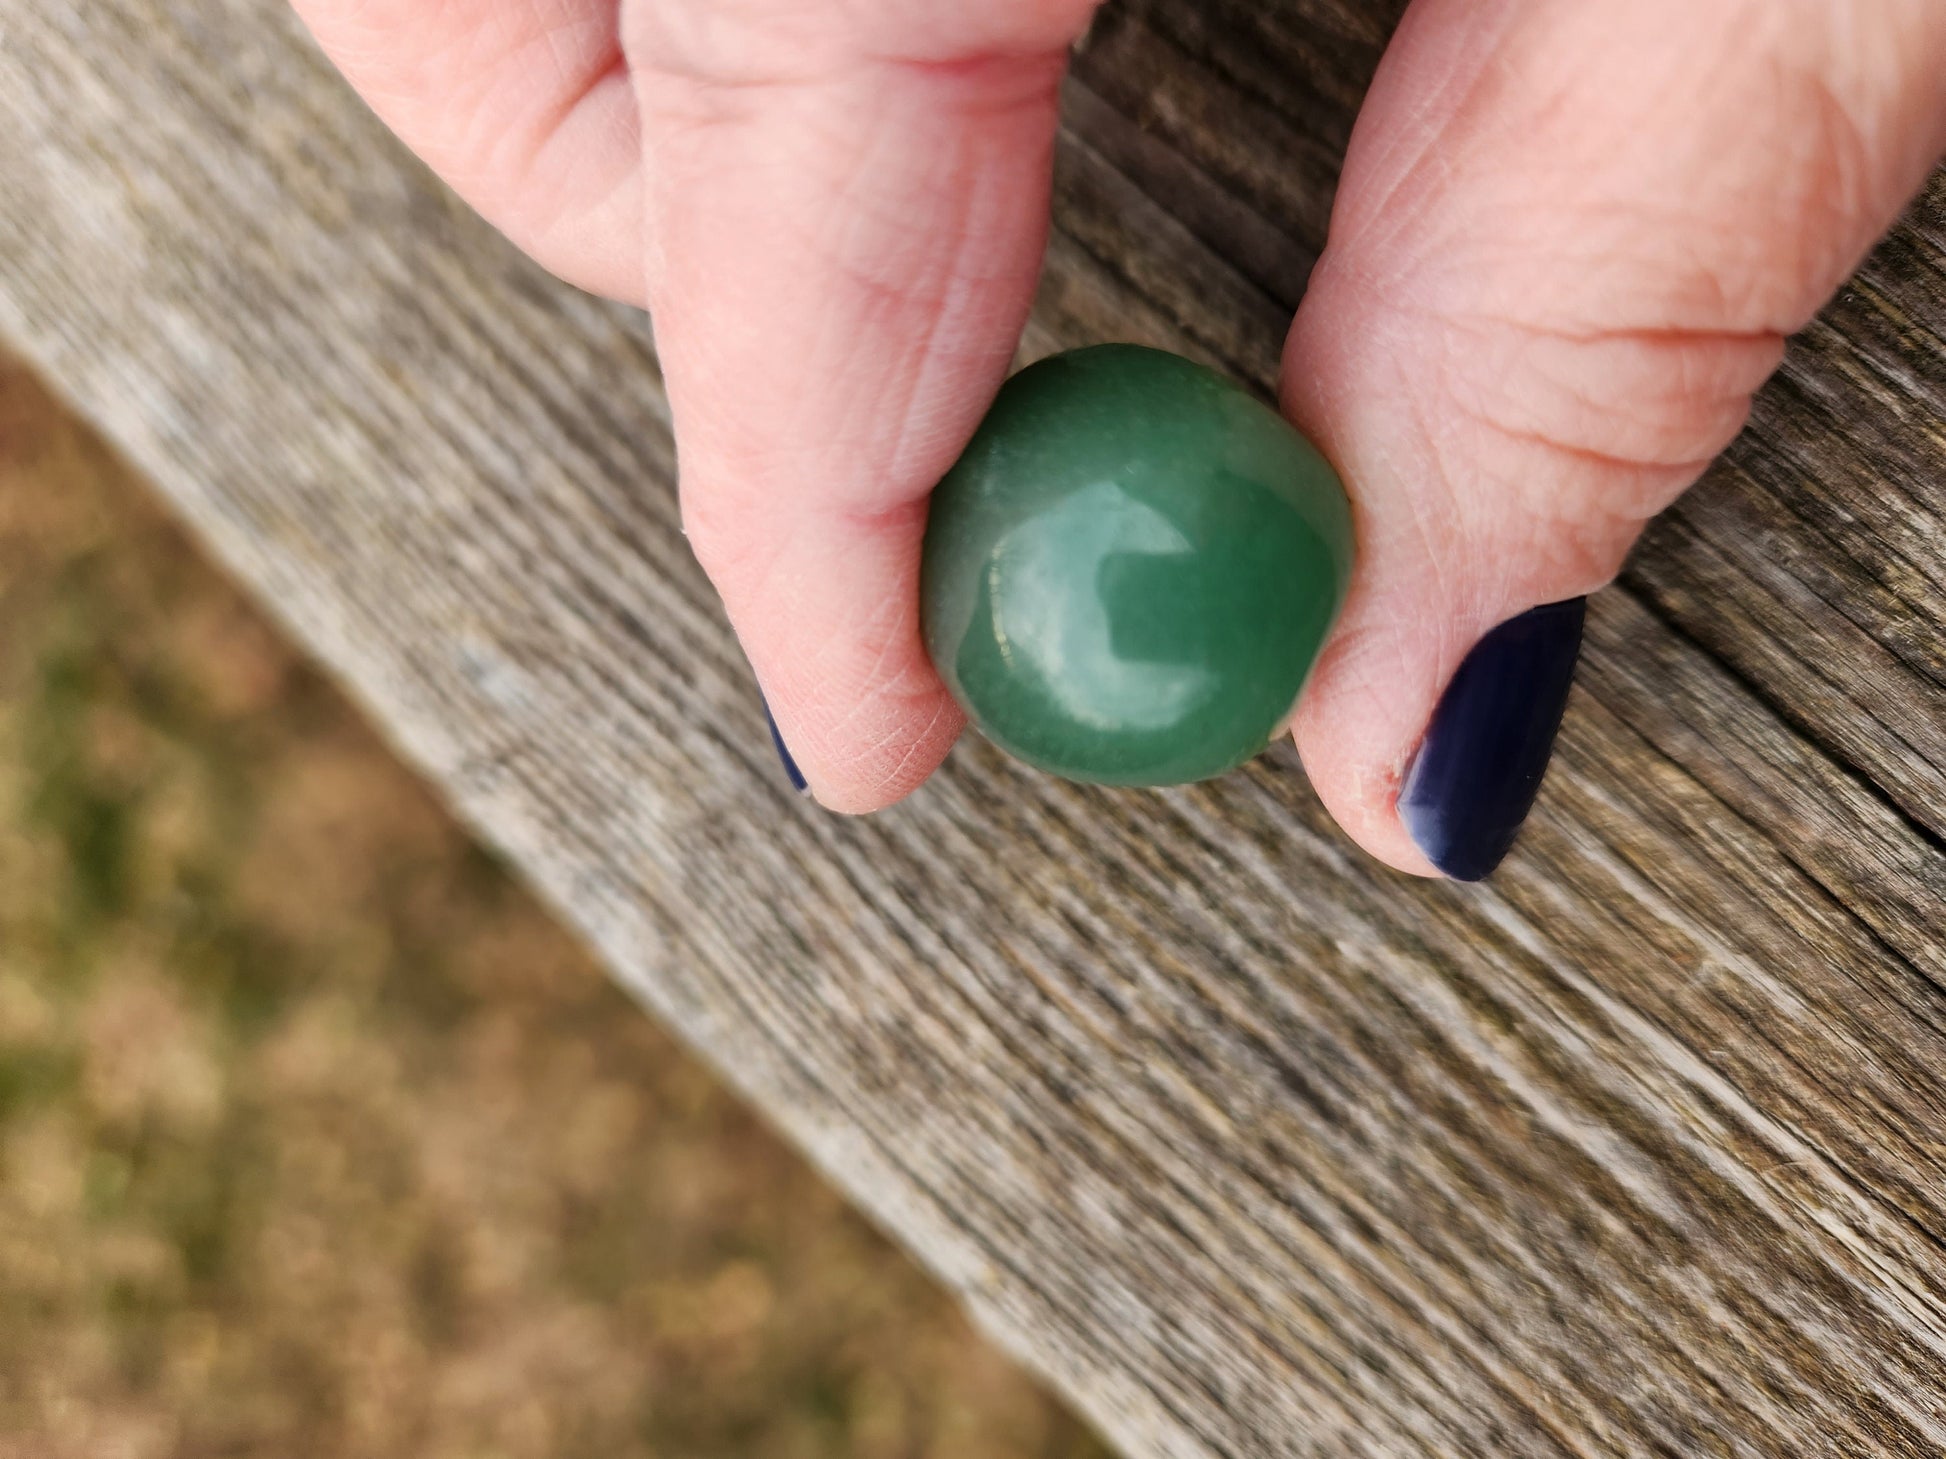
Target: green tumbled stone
point(1131, 571)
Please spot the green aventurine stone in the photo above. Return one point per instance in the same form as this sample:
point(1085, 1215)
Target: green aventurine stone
point(1129, 574)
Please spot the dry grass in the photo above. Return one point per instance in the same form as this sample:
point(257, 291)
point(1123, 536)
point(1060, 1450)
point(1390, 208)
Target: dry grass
point(316, 1138)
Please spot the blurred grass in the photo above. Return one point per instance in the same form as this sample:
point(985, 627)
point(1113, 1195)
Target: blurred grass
point(316, 1138)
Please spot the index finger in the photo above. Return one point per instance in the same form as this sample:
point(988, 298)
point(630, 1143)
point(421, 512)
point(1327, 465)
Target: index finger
point(844, 250)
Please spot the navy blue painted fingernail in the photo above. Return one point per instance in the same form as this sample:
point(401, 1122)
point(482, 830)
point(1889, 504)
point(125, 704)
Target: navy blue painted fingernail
point(784, 753)
point(1486, 752)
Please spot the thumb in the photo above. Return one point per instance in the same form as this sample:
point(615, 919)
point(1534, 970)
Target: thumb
point(1570, 241)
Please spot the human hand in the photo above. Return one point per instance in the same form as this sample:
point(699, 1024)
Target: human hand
point(1570, 240)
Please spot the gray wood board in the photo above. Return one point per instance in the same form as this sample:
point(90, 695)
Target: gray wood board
point(1250, 1146)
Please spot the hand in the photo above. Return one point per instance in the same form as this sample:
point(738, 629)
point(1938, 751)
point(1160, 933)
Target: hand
point(1571, 238)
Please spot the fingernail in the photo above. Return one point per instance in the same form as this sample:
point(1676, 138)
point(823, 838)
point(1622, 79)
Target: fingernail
point(796, 775)
point(1480, 767)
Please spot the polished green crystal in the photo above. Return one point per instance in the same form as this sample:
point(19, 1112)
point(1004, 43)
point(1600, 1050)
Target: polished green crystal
point(1130, 572)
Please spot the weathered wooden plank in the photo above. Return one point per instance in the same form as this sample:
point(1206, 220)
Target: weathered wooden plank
point(1252, 1147)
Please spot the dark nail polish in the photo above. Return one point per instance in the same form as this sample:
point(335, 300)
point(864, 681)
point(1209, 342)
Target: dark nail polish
point(784, 753)
point(1480, 766)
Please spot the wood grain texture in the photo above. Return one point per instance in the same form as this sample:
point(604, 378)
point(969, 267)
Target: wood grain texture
point(1252, 1147)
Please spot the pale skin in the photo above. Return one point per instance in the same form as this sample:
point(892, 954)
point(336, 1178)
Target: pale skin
point(1571, 239)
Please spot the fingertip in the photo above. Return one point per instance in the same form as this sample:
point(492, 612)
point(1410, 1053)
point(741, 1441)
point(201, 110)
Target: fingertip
point(874, 758)
point(1337, 719)
point(1433, 761)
